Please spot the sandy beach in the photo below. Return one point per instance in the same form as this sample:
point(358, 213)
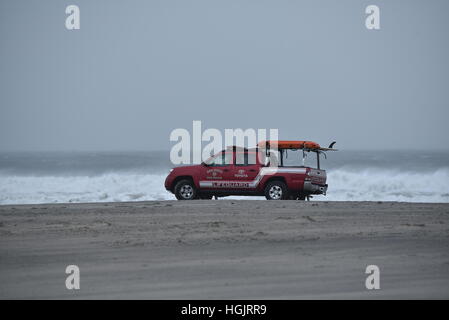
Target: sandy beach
point(225, 249)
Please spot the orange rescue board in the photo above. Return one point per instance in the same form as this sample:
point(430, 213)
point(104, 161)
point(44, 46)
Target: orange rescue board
point(289, 144)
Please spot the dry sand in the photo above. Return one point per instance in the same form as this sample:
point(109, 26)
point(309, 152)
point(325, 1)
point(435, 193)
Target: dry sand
point(225, 249)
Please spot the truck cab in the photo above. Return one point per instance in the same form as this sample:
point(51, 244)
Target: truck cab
point(274, 169)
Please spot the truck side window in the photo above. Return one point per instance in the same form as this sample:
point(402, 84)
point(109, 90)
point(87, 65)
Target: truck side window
point(245, 158)
point(221, 159)
point(228, 158)
point(241, 159)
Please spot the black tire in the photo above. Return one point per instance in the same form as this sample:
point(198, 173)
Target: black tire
point(185, 190)
point(276, 190)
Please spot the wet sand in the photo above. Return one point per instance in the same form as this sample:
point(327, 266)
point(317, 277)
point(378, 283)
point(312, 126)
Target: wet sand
point(225, 249)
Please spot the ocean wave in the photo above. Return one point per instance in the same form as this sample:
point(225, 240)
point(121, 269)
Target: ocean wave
point(370, 184)
point(374, 184)
point(64, 189)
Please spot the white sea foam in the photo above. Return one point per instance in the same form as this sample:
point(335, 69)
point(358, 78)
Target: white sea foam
point(373, 184)
point(344, 184)
point(102, 188)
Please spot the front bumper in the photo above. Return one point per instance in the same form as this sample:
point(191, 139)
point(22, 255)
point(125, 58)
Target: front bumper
point(312, 188)
point(168, 182)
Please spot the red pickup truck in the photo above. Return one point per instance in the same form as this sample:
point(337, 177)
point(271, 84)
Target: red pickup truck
point(258, 171)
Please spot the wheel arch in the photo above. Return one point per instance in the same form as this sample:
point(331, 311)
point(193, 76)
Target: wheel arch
point(179, 178)
point(275, 178)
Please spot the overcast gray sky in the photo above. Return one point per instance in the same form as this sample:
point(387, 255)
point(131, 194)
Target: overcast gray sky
point(138, 69)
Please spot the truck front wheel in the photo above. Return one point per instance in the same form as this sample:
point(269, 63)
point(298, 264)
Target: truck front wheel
point(185, 190)
point(276, 190)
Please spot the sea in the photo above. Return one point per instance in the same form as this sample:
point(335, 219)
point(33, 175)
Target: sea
point(64, 177)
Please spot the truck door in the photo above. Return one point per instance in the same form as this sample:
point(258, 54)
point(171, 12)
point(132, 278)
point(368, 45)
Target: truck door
point(246, 169)
point(217, 171)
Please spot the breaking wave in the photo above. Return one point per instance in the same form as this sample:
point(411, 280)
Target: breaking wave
point(102, 188)
point(370, 184)
point(375, 184)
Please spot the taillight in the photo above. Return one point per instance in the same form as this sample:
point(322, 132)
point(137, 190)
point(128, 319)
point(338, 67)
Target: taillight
point(310, 175)
point(307, 178)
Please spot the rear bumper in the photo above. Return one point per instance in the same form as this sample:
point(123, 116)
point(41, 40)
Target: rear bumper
point(312, 188)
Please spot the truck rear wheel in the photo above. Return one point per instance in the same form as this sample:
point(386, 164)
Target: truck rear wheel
point(276, 190)
point(185, 190)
